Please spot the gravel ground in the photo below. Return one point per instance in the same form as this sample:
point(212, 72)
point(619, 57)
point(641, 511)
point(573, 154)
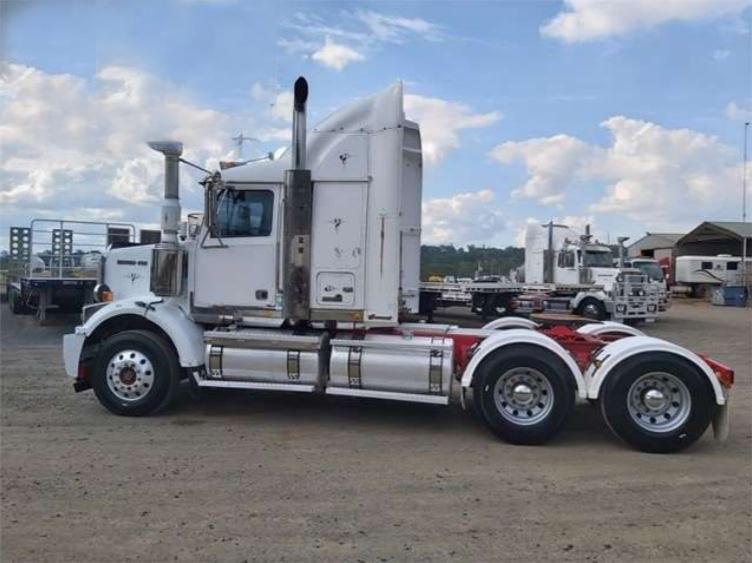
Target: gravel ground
point(246, 476)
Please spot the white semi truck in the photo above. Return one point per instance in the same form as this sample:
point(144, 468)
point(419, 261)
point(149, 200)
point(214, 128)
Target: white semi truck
point(656, 277)
point(301, 277)
point(574, 273)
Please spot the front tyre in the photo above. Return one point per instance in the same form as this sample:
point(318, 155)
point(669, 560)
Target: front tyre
point(592, 308)
point(136, 373)
point(658, 402)
point(524, 393)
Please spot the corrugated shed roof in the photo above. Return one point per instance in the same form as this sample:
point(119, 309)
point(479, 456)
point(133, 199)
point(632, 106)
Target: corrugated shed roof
point(739, 228)
point(657, 240)
point(717, 230)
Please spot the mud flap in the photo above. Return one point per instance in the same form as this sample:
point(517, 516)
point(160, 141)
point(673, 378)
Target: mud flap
point(721, 422)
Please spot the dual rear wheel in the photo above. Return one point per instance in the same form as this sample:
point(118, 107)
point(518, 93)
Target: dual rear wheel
point(656, 402)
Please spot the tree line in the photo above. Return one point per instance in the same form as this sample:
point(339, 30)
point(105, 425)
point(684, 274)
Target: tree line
point(448, 260)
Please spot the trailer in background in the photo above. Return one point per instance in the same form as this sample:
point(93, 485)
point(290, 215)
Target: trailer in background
point(700, 273)
point(55, 263)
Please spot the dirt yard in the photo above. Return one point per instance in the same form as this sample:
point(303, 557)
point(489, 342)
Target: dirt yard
point(257, 477)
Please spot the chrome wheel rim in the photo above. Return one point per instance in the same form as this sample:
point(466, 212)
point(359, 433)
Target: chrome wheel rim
point(659, 402)
point(523, 396)
point(591, 311)
point(130, 375)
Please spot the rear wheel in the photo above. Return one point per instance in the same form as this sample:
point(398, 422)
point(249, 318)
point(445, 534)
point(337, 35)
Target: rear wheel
point(592, 309)
point(658, 402)
point(136, 373)
point(524, 393)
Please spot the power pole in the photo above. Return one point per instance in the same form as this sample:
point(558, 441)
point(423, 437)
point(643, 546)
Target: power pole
point(745, 279)
point(239, 139)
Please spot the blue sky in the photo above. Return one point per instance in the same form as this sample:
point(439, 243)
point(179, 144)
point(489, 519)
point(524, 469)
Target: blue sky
point(628, 115)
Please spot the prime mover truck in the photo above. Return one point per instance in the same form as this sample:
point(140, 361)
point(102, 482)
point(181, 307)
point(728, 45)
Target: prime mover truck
point(302, 275)
point(567, 271)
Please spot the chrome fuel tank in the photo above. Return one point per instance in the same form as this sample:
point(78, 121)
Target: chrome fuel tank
point(264, 356)
point(416, 365)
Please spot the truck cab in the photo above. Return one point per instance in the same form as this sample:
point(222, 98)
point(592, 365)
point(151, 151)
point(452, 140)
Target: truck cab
point(656, 277)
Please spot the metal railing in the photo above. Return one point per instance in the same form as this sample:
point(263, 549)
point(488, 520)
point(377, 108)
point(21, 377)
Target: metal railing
point(63, 249)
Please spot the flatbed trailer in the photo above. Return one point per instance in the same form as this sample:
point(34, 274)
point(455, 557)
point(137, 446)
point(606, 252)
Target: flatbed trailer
point(55, 263)
point(487, 299)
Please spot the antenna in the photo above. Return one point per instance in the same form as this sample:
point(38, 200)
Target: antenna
point(239, 139)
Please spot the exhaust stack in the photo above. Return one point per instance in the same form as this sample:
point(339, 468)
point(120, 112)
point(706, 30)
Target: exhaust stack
point(167, 256)
point(296, 270)
point(171, 206)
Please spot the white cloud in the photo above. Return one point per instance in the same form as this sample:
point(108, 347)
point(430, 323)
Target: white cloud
point(441, 121)
point(588, 20)
point(552, 164)
point(649, 173)
point(464, 218)
point(739, 112)
point(336, 55)
point(354, 36)
point(279, 100)
point(396, 29)
point(721, 54)
point(72, 146)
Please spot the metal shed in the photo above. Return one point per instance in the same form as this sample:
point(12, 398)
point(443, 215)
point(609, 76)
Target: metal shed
point(654, 245)
point(716, 237)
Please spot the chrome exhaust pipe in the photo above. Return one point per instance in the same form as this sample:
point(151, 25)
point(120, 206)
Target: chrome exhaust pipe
point(171, 206)
point(167, 256)
point(296, 270)
point(299, 124)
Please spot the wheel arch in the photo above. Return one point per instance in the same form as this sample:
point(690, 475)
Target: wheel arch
point(609, 327)
point(515, 336)
point(166, 319)
point(614, 354)
point(506, 323)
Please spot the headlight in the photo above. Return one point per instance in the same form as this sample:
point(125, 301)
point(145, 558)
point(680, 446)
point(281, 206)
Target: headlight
point(102, 293)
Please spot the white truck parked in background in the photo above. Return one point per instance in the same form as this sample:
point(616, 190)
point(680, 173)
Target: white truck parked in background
point(578, 275)
point(302, 277)
point(656, 278)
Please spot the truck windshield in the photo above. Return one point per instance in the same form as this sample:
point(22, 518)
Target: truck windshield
point(598, 259)
point(651, 270)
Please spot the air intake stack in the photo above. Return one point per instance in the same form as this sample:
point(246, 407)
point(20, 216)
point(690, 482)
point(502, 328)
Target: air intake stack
point(167, 256)
point(298, 216)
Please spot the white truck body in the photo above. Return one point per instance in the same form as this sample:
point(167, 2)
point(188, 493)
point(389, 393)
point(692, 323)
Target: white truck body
point(656, 278)
point(302, 280)
point(582, 271)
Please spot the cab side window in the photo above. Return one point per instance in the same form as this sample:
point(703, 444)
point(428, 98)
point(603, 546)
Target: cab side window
point(566, 259)
point(244, 213)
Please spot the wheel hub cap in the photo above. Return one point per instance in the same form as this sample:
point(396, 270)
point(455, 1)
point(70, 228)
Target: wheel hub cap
point(130, 375)
point(523, 396)
point(659, 402)
point(654, 399)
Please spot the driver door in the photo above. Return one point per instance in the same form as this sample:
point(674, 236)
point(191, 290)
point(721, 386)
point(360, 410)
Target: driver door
point(236, 266)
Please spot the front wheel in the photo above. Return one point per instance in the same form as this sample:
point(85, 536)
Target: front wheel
point(136, 373)
point(592, 308)
point(658, 402)
point(524, 393)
